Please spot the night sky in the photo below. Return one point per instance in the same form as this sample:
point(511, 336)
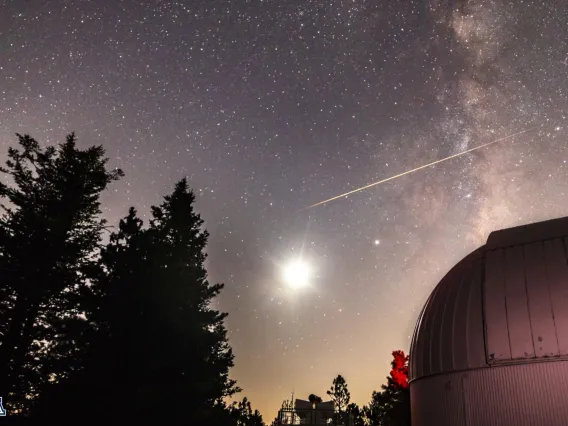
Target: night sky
point(269, 106)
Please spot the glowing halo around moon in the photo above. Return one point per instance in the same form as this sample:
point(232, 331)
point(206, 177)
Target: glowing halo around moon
point(297, 274)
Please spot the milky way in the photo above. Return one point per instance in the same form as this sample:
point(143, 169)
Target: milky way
point(270, 106)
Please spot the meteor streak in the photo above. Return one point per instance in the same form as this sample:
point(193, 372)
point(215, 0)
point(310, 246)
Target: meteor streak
point(420, 168)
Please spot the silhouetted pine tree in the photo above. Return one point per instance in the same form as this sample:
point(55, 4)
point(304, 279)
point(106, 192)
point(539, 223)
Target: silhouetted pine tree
point(391, 406)
point(356, 414)
point(244, 415)
point(161, 351)
point(49, 232)
point(339, 393)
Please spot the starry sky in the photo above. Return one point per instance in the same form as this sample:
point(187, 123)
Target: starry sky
point(269, 106)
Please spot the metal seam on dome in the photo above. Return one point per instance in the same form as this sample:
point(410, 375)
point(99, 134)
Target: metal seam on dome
point(523, 249)
point(498, 364)
point(547, 278)
point(460, 289)
point(504, 283)
point(484, 322)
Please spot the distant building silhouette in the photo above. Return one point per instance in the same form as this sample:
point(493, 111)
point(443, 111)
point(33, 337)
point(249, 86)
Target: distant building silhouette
point(304, 412)
point(491, 343)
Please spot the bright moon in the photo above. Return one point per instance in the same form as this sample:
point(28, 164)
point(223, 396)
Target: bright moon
point(297, 274)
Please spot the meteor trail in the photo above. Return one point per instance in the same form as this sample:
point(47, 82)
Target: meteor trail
point(420, 168)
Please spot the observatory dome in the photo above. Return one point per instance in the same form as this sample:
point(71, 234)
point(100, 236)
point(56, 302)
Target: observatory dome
point(491, 344)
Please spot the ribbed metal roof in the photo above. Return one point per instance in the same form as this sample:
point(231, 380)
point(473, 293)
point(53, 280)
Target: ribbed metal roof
point(506, 302)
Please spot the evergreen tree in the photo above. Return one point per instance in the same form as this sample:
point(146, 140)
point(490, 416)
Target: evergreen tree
point(391, 406)
point(49, 233)
point(161, 351)
point(339, 393)
point(244, 415)
point(357, 414)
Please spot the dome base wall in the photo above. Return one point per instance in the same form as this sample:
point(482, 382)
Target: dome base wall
point(515, 395)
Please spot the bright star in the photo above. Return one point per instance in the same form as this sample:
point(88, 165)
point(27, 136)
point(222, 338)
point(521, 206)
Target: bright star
point(297, 274)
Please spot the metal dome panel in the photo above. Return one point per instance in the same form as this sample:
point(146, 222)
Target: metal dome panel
point(540, 304)
point(557, 278)
point(526, 301)
point(449, 332)
point(507, 302)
